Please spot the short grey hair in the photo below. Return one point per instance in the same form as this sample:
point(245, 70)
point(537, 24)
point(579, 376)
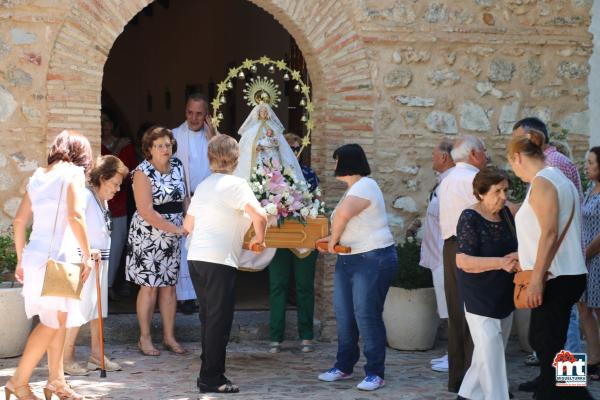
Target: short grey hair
point(464, 146)
point(446, 146)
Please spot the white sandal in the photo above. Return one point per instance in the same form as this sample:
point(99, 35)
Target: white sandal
point(109, 366)
point(75, 369)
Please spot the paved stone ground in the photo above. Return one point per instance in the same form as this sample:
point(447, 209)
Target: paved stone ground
point(261, 375)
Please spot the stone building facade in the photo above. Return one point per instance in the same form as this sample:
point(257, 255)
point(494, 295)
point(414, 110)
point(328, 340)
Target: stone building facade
point(392, 75)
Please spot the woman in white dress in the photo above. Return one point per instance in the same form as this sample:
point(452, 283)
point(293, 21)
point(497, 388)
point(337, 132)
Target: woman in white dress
point(104, 182)
point(54, 199)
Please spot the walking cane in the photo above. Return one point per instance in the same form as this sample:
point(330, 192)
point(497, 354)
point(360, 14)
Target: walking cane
point(100, 322)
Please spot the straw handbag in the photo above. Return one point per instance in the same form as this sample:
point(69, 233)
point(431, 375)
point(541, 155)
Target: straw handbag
point(61, 279)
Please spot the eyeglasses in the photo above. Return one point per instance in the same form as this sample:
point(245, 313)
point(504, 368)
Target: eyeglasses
point(162, 146)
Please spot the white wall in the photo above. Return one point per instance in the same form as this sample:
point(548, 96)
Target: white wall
point(594, 77)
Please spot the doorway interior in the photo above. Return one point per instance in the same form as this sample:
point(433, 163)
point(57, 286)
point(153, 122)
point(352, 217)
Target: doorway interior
point(172, 48)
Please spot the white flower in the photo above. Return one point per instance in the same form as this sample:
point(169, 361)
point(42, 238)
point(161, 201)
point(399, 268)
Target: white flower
point(314, 212)
point(304, 212)
point(317, 191)
point(410, 239)
point(271, 209)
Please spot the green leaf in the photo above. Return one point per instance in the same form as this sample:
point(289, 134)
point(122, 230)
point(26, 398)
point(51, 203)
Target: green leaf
point(410, 274)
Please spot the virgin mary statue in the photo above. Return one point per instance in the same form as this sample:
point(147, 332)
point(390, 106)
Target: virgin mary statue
point(262, 144)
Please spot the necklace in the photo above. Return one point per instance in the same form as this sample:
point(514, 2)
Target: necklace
point(105, 211)
point(163, 169)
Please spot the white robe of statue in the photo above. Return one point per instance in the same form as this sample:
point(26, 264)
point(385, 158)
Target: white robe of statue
point(262, 141)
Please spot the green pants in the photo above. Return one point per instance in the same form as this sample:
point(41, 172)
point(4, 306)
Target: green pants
point(279, 282)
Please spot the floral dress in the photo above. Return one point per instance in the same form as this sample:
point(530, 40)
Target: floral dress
point(153, 254)
point(591, 228)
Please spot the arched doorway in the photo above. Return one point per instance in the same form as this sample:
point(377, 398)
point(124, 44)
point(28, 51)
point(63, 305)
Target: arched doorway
point(340, 69)
point(164, 54)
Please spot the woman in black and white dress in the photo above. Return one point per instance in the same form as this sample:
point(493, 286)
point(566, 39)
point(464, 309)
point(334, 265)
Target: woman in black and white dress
point(105, 181)
point(153, 253)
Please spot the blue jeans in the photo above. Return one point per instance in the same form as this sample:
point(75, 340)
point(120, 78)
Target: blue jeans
point(360, 286)
point(573, 343)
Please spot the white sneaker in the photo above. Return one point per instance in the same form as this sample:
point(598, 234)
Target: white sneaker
point(371, 382)
point(440, 367)
point(274, 347)
point(333, 375)
point(306, 346)
point(439, 360)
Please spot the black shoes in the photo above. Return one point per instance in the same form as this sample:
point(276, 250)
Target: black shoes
point(530, 386)
point(187, 307)
point(226, 387)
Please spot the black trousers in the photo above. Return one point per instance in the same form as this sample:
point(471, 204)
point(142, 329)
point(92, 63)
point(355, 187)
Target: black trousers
point(460, 344)
point(548, 334)
point(214, 285)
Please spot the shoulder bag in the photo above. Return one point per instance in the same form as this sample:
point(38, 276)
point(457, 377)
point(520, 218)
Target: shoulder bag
point(61, 279)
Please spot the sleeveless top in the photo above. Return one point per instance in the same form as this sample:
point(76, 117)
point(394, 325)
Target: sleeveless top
point(569, 258)
point(45, 189)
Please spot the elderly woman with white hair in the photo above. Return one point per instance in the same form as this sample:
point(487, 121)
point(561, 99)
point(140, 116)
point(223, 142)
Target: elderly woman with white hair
point(222, 209)
point(456, 195)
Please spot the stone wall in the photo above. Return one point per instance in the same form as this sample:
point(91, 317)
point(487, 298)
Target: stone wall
point(468, 67)
point(392, 75)
point(594, 76)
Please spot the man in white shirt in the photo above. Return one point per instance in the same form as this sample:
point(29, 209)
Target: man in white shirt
point(433, 243)
point(192, 138)
point(456, 194)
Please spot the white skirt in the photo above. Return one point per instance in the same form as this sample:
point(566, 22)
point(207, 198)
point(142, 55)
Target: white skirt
point(47, 307)
point(89, 293)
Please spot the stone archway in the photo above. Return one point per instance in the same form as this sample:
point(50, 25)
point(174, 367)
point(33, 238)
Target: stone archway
point(336, 58)
point(325, 32)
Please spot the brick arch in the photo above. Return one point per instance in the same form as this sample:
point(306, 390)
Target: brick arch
point(326, 34)
point(324, 31)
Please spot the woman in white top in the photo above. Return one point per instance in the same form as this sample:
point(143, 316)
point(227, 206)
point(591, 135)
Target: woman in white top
point(105, 181)
point(54, 199)
point(557, 283)
point(219, 215)
point(363, 277)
